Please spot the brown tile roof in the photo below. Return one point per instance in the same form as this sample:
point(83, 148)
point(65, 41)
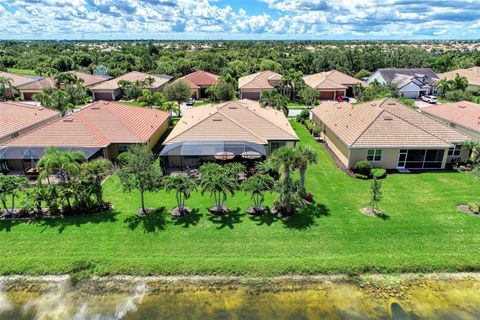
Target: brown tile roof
point(199, 79)
point(131, 76)
point(16, 79)
point(331, 80)
point(19, 116)
point(97, 125)
point(242, 120)
point(463, 113)
point(45, 83)
point(472, 75)
point(259, 80)
point(385, 123)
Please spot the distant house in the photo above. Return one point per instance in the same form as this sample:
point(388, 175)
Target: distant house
point(331, 84)
point(110, 90)
point(199, 81)
point(17, 119)
point(252, 86)
point(28, 90)
point(102, 129)
point(388, 134)
point(463, 116)
point(411, 83)
point(472, 75)
point(237, 130)
point(16, 79)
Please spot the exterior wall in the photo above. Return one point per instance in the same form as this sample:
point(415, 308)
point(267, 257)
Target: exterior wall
point(252, 94)
point(339, 148)
point(375, 76)
point(411, 91)
point(26, 130)
point(472, 133)
point(157, 135)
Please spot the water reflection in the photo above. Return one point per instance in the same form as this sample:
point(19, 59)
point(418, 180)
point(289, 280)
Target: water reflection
point(368, 297)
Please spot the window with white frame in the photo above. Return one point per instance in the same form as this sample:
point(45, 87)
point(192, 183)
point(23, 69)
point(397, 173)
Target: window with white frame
point(455, 152)
point(374, 155)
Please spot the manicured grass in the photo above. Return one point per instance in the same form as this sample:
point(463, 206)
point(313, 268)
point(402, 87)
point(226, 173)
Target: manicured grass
point(424, 232)
point(22, 72)
point(201, 103)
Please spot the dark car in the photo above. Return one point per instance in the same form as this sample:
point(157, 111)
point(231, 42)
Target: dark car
point(343, 99)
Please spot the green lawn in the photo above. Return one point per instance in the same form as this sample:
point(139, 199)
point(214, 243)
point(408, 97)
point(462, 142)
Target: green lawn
point(424, 232)
point(22, 72)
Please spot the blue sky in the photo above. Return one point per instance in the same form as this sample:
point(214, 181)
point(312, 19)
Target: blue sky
point(239, 19)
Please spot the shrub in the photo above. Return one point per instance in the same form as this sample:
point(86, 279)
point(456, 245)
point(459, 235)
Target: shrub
point(303, 116)
point(379, 173)
point(474, 207)
point(361, 176)
point(363, 167)
point(316, 131)
point(309, 125)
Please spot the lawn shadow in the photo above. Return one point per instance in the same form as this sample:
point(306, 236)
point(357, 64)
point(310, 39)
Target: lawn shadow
point(77, 221)
point(305, 217)
point(189, 220)
point(152, 222)
point(266, 219)
point(228, 220)
point(383, 216)
point(7, 225)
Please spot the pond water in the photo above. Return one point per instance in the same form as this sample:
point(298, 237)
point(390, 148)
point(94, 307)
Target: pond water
point(367, 297)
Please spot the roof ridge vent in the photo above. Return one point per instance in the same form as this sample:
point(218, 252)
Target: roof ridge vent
point(462, 106)
point(388, 118)
point(391, 103)
point(67, 119)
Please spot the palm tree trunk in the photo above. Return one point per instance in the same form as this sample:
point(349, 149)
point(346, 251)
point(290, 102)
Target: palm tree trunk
point(143, 201)
point(13, 204)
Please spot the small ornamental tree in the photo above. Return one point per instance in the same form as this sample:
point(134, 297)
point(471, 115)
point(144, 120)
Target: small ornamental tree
point(178, 91)
point(219, 182)
point(375, 195)
point(183, 187)
point(289, 197)
point(257, 185)
point(9, 188)
point(138, 170)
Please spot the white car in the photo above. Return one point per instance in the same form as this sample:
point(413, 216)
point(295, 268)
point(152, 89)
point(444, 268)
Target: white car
point(430, 99)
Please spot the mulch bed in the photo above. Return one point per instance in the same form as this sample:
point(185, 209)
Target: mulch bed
point(253, 212)
point(213, 210)
point(370, 212)
point(466, 209)
point(175, 212)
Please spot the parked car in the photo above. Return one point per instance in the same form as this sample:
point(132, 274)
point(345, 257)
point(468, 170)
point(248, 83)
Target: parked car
point(343, 99)
point(430, 99)
point(190, 102)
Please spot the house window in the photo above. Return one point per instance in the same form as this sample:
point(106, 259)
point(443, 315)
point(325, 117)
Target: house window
point(276, 145)
point(455, 152)
point(374, 155)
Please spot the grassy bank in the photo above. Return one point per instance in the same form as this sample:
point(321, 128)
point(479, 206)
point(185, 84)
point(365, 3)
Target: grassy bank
point(424, 232)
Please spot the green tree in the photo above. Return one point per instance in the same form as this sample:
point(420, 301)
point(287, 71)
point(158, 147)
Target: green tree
point(223, 91)
point(65, 79)
point(443, 86)
point(10, 186)
point(64, 164)
point(273, 99)
point(473, 147)
point(55, 99)
point(219, 182)
point(150, 99)
point(375, 195)
point(309, 96)
point(172, 107)
point(183, 187)
point(7, 89)
point(286, 159)
point(362, 74)
point(307, 156)
point(92, 174)
point(257, 186)
point(138, 170)
point(459, 83)
point(289, 196)
point(178, 91)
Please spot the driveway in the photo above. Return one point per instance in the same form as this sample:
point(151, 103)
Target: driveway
point(422, 104)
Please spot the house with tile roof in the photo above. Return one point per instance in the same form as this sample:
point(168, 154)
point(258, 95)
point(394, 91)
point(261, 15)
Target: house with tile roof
point(102, 129)
point(28, 90)
point(472, 75)
point(17, 119)
point(251, 86)
point(110, 90)
point(17, 80)
point(332, 84)
point(239, 130)
point(411, 83)
point(199, 81)
point(464, 116)
point(388, 134)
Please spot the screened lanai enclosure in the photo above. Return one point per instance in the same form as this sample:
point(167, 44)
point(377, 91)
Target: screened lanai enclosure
point(186, 155)
point(24, 158)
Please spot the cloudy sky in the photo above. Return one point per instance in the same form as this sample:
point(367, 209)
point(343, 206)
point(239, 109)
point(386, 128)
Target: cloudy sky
point(239, 19)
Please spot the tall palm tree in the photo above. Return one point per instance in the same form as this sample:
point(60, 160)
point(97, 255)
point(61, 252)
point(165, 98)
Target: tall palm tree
point(460, 82)
point(289, 196)
point(286, 159)
point(183, 187)
point(172, 107)
point(65, 163)
point(67, 78)
point(273, 99)
point(443, 85)
point(307, 156)
point(257, 185)
point(219, 183)
point(6, 88)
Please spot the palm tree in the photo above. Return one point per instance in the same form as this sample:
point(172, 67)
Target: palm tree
point(219, 183)
point(183, 187)
point(67, 78)
point(307, 156)
point(65, 163)
point(460, 83)
point(289, 197)
point(443, 85)
point(6, 88)
point(286, 159)
point(171, 106)
point(257, 185)
point(273, 99)
point(473, 147)
point(10, 187)
point(94, 172)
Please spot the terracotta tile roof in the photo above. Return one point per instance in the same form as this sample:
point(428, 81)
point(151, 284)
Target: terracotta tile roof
point(472, 75)
point(45, 83)
point(331, 80)
point(199, 79)
point(463, 113)
point(259, 80)
point(131, 76)
point(19, 116)
point(97, 125)
point(16, 79)
point(385, 123)
point(242, 120)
